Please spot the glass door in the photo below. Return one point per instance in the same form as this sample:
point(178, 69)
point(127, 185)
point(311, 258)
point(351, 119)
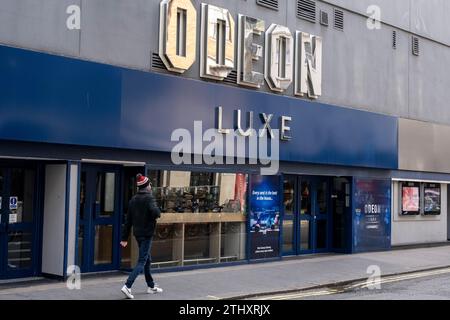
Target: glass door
point(306, 219)
point(321, 215)
point(306, 216)
point(17, 224)
point(99, 228)
point(289, 217)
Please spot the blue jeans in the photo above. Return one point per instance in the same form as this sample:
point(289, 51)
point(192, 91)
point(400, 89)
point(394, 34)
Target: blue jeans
point(143, 264)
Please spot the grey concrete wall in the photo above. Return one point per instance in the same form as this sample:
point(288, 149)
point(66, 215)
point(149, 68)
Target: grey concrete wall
point(360, 68)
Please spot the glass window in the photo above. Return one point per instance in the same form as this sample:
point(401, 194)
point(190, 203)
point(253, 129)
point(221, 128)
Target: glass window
point(103, 244)
point(306, 198)
point(305, 243)
point(322, 197)
point(167, 245)
point(201, 179)
point(288, 235)
point(186, 192)
point(203, 218)
point(289, 196)
point(22, 195)
point(200, 243)
point(19, 250)
point(105, 200)
point(232, 242)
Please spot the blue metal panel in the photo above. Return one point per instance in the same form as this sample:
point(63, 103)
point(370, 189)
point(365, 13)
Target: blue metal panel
point(46, 98)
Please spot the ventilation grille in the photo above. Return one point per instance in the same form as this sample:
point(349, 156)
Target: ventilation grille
point(271, 4)
point(394, 40)
point(306, 9)
point(339, 19)
point(157, 63)
point(324, 18)
point(415, 46)
point(232, 78)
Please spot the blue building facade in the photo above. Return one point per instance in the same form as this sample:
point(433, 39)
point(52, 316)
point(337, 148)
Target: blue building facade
point(51, 102)
point(75, 131)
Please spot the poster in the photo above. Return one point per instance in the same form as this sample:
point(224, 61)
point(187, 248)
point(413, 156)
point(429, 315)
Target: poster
point(432, 199)
point(410, 199)
point(265, 216)
point(372, 215)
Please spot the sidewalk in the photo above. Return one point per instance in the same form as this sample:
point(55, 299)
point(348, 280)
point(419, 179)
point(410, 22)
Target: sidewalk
point(229, 282)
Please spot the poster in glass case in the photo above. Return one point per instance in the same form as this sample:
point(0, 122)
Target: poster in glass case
point(432, 199)
point(410, 198)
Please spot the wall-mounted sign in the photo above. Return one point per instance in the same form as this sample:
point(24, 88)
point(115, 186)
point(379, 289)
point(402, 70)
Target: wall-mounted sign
point(288, 57)
point(13, 203)
point(12, 218)
point(264, 216)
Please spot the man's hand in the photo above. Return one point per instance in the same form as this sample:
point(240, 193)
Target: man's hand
point(124, 243)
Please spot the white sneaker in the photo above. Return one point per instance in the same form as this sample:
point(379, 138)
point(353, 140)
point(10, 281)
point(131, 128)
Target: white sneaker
point(127, 292)
point(154, 290)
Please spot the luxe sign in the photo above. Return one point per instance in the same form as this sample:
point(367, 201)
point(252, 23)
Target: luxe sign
point(287, 59)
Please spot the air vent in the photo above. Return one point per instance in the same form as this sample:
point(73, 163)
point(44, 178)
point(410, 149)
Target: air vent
point(324, 18)
point(306, 9)
point(415, 46)
point(157, 63)
point(271, 4)
point(339, 19)
point(394, 40)
point(232, 78)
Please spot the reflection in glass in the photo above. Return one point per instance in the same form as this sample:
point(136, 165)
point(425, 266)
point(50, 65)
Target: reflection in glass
point(104, 204)
point(167, 245)
point(232, 242)
point(305, 243)
point(186, 192)
point(288, 235)
point(103, 244)
point(23, 188)
point(306, 198)
point(289, 196)
point(322, 197)
point(199, 242)
point(19, 250)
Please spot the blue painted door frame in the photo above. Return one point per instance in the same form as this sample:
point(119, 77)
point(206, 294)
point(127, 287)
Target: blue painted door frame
point(33, 227)
point(313, 218)
point(93, 219)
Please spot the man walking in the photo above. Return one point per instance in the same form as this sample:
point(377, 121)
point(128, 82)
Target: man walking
point(142, 215)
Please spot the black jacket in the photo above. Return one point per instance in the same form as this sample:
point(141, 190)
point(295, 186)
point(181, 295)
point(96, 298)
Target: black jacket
point(142, 215)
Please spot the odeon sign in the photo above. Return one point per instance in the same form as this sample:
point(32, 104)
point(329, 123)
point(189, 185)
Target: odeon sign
point(287, 58)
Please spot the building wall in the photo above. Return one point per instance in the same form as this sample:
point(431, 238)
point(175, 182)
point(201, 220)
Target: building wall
point(408, 230)
point(423, 146)
point(361, 69)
